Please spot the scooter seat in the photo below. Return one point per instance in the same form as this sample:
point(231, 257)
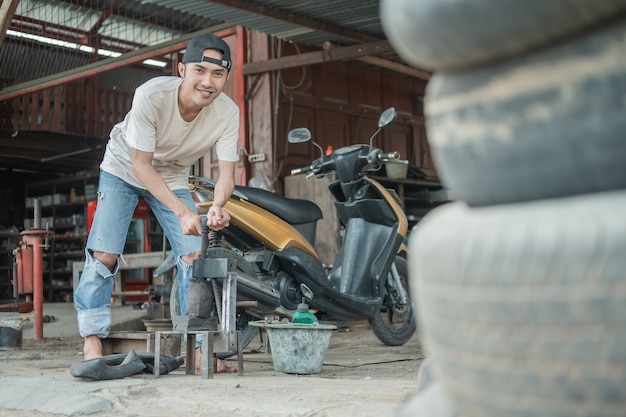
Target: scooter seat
point(292, 210)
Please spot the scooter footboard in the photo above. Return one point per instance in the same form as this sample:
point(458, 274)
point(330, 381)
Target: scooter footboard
point(308, 270)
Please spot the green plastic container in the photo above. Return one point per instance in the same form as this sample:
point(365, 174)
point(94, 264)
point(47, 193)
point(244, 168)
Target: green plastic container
point(303, 315)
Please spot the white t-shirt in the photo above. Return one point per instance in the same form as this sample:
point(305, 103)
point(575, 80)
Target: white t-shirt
point(154, 124)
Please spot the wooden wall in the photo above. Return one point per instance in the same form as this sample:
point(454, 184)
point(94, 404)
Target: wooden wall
point(327, 240)
point(340, 103)
point(79, 108)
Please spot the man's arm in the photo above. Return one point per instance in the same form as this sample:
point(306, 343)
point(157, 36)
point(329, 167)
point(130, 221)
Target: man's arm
point(217, 217)
point(145, 172)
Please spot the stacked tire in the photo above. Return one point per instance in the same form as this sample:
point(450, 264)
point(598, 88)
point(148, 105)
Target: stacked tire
point(521, 283)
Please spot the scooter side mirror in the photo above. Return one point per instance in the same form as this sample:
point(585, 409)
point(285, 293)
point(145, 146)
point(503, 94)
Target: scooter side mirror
point(387, 117)
point(299, 135)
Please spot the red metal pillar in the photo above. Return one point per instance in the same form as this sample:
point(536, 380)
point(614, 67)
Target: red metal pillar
point(37, 239)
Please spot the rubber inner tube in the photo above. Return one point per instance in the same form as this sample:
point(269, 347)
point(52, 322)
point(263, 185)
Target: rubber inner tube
point(122, 365)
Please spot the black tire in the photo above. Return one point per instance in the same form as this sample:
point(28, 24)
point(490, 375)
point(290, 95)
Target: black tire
point(443, 35)
point(395, 326)
point(547, 126)
point(523, 307)
point(290, 292)
point(247, 332)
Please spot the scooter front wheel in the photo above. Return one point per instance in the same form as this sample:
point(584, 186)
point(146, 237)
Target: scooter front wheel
point(395, 323)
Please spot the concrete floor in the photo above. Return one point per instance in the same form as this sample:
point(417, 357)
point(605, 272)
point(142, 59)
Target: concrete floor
point(360, 377)
point(65, 325)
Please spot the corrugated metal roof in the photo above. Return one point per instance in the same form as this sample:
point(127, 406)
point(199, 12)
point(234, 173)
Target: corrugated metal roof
point(283, 18)
point(360, 16)
point(126, 25)
point(80, 27)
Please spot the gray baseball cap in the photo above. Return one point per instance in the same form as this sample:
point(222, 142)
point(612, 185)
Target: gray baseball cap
point(197, 45)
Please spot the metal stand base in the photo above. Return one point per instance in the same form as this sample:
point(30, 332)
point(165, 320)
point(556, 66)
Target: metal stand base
point(204, 291)
point(207, 352)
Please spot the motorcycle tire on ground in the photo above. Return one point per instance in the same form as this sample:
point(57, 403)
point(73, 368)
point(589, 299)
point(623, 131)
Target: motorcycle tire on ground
point(392, 326)
point(549, 125)
point(247, 332)
point(522, 307)
point(449, 35)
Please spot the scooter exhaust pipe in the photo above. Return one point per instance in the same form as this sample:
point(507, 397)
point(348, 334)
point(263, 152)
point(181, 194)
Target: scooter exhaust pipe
point(251, 287)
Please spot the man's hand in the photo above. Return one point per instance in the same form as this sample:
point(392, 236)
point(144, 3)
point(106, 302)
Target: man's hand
point(191, 223)
point(217, 218)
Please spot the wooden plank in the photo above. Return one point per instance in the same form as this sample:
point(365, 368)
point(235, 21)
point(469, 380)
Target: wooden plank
point(6, 115)
point(75, 99)
point(20, 113)
point(69, 108)
point(397, 67)
point(34, 112)
point(27, 119)
point(57, 124)
point(327, 241)
point(258, 98)
point(45, 111)
point(106, 109)
point(88, 107)
point(102, 94)
point(141, 341)
point(318, 57)
point(331, 81)
point(132, 261)
point(370, 96)
point(131, 334)
point(331, 128)
point(16, 111)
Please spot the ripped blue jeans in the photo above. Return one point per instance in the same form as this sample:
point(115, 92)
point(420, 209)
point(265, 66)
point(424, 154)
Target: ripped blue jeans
point(116, 204)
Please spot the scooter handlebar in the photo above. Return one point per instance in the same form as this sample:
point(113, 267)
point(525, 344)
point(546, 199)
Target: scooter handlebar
point(390, 155)
point(303, 170)
point(375, 156)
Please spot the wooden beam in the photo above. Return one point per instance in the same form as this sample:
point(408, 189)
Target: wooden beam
point(318, 57)
point(96, 68)
point(397, 67)
point(7, 10)
point(249, 7)
point(93, 30)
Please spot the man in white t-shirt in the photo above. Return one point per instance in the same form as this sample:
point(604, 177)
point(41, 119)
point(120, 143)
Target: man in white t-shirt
point(173, 122)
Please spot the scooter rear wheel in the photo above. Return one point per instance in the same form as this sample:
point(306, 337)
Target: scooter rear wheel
point(393, 325)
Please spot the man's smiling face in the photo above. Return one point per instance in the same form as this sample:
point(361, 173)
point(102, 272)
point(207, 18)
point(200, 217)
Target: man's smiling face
point(203, 81)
